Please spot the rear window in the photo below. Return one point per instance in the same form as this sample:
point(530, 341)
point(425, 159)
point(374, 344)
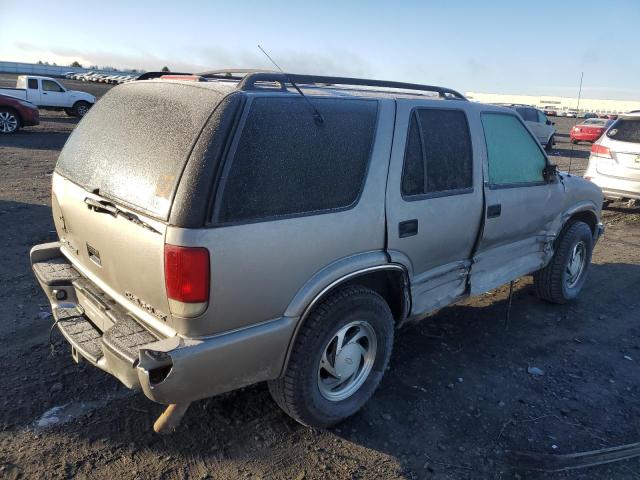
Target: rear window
point(625, 130)
point(286, 164)
point(133, 144)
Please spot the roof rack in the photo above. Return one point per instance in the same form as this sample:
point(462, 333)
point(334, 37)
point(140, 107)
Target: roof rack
point(233, 73)
point(150, 75)
point(250, 80)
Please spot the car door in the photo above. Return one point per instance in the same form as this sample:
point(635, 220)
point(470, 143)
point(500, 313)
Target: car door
point(545, 126)
point(33, 91)
point(521, 206)
point(434, 199)
point(53, 95)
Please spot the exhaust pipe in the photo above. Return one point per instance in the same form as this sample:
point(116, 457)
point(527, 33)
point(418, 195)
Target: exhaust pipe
point(170, 418)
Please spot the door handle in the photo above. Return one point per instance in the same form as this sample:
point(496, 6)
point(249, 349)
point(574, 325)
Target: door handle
point(408, 228)
point(494, 211)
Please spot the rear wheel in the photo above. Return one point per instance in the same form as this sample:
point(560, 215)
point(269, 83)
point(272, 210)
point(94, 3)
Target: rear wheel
point(549, 146)
point(575, 142)
point(9, 121)
point(338, 358)
point(81, 108)
point(562, 279)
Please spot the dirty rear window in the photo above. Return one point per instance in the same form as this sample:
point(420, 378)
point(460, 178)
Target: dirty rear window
point(134, 143)
point(625, 130)
point(286, 164)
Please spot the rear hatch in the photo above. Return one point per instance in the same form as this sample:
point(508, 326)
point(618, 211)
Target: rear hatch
point(623, 142)
point(114, 185)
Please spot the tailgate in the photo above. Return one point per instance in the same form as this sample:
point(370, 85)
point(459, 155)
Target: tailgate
point(114, 187)
point(123, 258)
point(624, 163)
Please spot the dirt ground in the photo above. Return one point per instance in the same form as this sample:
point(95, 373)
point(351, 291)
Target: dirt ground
point(456, 400)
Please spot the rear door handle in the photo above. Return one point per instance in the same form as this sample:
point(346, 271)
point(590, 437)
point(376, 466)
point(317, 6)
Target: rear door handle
point(408, 228)
point(494, 211)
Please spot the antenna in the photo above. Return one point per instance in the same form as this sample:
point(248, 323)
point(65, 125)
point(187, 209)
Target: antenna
point(316, 114)
point(576, 121)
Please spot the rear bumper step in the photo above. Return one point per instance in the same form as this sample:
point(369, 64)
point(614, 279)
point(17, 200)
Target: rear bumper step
point(172, 370)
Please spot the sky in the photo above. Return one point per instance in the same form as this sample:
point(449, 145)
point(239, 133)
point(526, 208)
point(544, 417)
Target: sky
point(537, 47)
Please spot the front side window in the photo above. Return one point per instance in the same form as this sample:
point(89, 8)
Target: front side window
point(542, 118)
point(50, 86)
point(286, 164)
point(514, 156)
point(33, 83)
point(438, 156)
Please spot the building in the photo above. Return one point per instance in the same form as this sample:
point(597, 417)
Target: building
point(558, 103)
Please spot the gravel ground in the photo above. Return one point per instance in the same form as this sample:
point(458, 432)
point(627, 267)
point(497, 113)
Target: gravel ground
point(456, 399)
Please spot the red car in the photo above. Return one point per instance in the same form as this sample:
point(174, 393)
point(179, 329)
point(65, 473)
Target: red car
point(589, 130)
point(16, 113)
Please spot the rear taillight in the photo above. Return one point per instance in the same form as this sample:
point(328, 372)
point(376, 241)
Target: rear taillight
point(186, 274)
point(600, 151)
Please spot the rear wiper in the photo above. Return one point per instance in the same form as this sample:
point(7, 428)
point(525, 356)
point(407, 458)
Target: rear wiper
point(103, 206)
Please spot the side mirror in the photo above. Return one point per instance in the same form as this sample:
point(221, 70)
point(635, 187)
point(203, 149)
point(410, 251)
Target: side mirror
point(549, 122)
point(550, 172)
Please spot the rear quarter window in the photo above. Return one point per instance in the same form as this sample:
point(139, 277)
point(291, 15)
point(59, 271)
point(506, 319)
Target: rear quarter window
point(285, 164)
point(625, 130)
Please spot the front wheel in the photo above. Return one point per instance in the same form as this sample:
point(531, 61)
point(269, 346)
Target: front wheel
point(9, 121)
point(549, 146)
point(563, 278)
point(81, 108)
point(338, 358)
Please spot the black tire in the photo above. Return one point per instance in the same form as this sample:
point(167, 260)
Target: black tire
point(552, 282)
point(575, 142)
point(9, 121)
point(70, 112)
point(80, 108)
point(297, 392)
point(549, 146)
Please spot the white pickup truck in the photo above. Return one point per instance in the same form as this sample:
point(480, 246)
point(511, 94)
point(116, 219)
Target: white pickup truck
point(48, 93)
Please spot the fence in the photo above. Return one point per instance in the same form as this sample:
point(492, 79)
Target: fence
point(49, 70)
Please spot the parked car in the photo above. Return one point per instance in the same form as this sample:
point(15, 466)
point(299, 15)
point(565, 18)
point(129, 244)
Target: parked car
point(590, 115)
point(549, 111)
point(16, 113)
point(278, 238)
point(49, 94)
point(561, 113)
point(614, 164)
point(571, 113)
point(612, 116)
point(589, 130)
point(540, 125)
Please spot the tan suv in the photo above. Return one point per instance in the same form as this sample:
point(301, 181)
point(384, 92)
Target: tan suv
point(222, 230)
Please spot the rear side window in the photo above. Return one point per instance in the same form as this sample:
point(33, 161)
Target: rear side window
point(513, 154)
point(625, 130)
point(286, 164)
point(33, 83)
point(438, 156)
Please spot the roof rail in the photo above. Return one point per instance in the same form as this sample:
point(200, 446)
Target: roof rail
point(150, 75)
point(232, 73)
point(250, 80)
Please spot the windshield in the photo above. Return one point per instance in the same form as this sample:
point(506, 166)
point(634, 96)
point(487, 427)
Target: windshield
point(133, 144)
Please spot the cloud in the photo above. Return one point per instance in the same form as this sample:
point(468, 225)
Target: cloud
point(333, 62)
